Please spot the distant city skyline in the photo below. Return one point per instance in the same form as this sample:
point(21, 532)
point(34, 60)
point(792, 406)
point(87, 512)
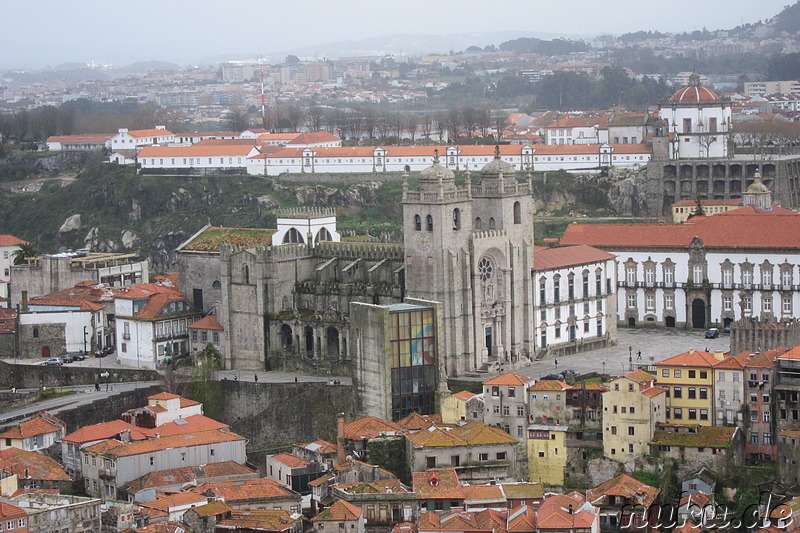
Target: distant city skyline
point(51, 32)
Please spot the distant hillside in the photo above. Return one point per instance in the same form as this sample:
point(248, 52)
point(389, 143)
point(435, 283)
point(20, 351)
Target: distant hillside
point(539, 46)
point(788, 20)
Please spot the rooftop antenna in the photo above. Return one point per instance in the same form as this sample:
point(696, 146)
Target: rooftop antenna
point(263, 103)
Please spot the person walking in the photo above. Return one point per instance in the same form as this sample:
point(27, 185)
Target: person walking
point(256, 376)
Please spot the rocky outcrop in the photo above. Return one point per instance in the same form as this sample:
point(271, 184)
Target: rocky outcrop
point(72, 223)
point(632, 192)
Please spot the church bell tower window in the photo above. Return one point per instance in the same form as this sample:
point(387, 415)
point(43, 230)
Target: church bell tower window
point(430, 223)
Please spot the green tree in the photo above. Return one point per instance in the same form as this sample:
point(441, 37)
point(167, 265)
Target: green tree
point(203, 386)
point(25, 251)
point(647, 477)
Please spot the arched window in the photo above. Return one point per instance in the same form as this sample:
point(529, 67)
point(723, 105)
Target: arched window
point(478, 223)
point(216, 284)
point(246, 273)
point(517, 213)
point(456, 219)
point(491, 223)
point(430, 223)
point(293, 236)
point(323, 236)
point(35, 333)
point(417, 223)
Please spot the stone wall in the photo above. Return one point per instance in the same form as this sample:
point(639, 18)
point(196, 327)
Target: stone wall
point(50, 340)
point(343, 178)
point(276, 415)
point(33, 376)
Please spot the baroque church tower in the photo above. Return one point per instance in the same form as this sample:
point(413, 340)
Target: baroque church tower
point(471, 248)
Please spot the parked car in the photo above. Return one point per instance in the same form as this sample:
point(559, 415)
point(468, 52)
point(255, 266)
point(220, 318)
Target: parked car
point(78, 356)
point(108, 350)
point(66, 358)
point(557, 377)
point(712, 333)
point(574, 373)
point(726, 329)
point(100, 353)
point(54, 361)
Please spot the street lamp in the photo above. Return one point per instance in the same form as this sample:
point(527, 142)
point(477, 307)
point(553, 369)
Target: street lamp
point(84, 339)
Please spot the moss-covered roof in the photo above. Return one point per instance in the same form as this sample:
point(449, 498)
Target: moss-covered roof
point(212, 238)
point(706, 437)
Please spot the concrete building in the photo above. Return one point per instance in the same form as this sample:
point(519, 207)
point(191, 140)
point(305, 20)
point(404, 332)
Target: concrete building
point(575, 298)
point(206, 331)
point(200, 158)
point(252, 494)
point(8, 245)
point(683, 209)
point(729, 394)
point(632, 408)
point(688, 380)
point(127, 139)
point(547, 402)
point(506, 403)
point(764, 88)
point(438, 490)
point(383, 503)
point(719, 448)
point(547, 453)
point(294, 472)
point(455, 408)
point(34, 470)
point(398, 369)
point(59, 512)
point(13, 518)
point(476, 451)
point(49, 274)
point(624, 503)
point(79, 143)
point(341, 516)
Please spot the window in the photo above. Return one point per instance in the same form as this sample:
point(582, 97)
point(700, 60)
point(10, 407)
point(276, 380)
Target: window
point(586, 285)
point(417, 222)
point(753, 438)
point(677, 412)
point(703, 414)
point(692, 374)
point(512, 392)
point(599, 284)
point(650, 302)
point(766, 276)
point(665, 373)
point(505, 410)
point(787, 306)
point(677, 392)
point(692, 414)
point(677, 373)
point(650, 275)
point(669, 275)
point(556, 291)
point(430, 223)
point(768, 304)
point(501, 456)
point(703, 393)
point(495, 390)
point(613, 430)
point(692, 393)
point(669, 301)
point(727, 277)
point(703, 374)
point(481, 457)
point(631, 430)
point(631, 300)
point(631, 274)
point(697, 274)
point(765, 416)
point(520, 410)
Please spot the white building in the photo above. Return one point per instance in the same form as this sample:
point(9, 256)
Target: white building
point(698, 122)
point(82, 142)
point(306, 226)
point(110, 464)
point(577, 130)
point(131, 139)
point(34, 434)
point(8, 245)
point(202, 155)
point(764, 88)
point(152, 324)
point(572, 158)
point(575, 296)
point(706, 271)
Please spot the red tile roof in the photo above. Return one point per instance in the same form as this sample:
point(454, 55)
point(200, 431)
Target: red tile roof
point(550, 385)
point(470, 434)
point(166, 502)
point(369, 427)
point(269, 520)
point(214, 508)
point(292, 461)
point(416, 422)
point(105, 430)
point(746, 227)
point(247, 489)
point(340, 511)
point(119, 449)
point(41, 423)
point(694, 358)
point(552, 258)
point(8, 510)
point(437, 484)
point(81, 138)
point(10, 240)
point(554, 514)
point(626, 487)
point(198, 150)
point(483, 492)
point(208, 322)
point(319, 446)
point(155, 132)
point(640, 376)
point(509, 378)
point(31, 465)
point(188, 474)
point(163, 396)
point(314, 137)
point(189, 424)
point(464, 395)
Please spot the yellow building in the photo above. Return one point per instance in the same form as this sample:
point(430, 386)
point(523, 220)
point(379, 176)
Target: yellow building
point(454, 407)
point(632, 407)
point(547, 453)
point(688, 380)
point(682, 209)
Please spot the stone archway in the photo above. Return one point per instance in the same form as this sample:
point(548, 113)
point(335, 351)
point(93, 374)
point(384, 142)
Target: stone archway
point(286, 337)
point(332, 341)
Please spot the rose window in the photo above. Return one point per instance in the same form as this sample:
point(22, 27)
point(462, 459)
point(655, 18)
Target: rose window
point(485, 269)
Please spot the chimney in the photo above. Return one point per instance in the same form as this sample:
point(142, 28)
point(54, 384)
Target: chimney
point(570, 509)
point(25, 301)
point(340, 439)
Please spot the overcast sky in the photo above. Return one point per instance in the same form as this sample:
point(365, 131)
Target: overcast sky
point(50, 32)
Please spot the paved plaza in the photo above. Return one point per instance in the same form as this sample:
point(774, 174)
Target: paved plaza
point(654, 344)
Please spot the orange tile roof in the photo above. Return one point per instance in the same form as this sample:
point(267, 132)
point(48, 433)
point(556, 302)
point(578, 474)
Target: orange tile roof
point(166, 502)
point(81, 138)
point(369, 427)
point(38, 424)
point(554, 514)
point(640, 376)
point(105, 430)
point(653, 391)
point(176, 441)
point(483, 492)
point(189, 424)
point(745, 227)
point(699, 499)
point(470, 434)
point(437, 484)
point(247, 489)
point(292, 461)
point(31, 465)
point(340, 511)
point(313, 137)
point(320, 446)
point(522, 520)
point(188, 474)
point(198, 150)
point(694, 358)
point(86, 295)
point(627, 487)
point(523, 490)
point(416, 422)
point(509, 378)
point(10, 240)
point(550, 385)
point(8, 510)
point(382, 486)
point(208, 322)
point(486, 521)
point(464, 395)
point(163, 396)
point(155, 305)
point(320, 480)
point(146, 290)
point(552, 258)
